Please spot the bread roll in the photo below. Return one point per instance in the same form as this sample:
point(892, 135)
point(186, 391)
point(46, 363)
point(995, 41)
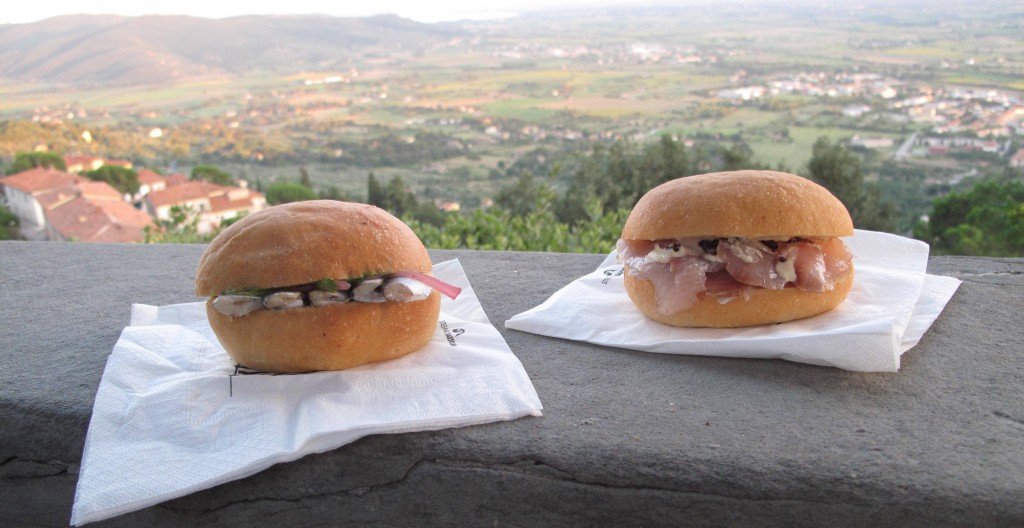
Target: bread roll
point(291, 245)
point(762, 209)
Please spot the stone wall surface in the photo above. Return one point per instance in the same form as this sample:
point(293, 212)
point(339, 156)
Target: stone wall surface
point(627, 438)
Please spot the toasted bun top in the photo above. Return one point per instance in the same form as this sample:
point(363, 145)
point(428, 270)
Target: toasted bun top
point(747, 203)
point(303, 242)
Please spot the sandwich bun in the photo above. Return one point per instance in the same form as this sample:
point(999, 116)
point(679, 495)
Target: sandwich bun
point(750, 205)
point(302, 243)
point(763, 306)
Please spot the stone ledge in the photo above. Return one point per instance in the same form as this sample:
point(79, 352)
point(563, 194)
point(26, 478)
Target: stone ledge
point(627, 439)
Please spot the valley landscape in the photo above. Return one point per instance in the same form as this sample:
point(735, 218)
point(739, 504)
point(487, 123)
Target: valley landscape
point(926, 96)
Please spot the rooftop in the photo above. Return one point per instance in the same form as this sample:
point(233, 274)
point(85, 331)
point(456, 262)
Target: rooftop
point(86, 220)
point(40, 180)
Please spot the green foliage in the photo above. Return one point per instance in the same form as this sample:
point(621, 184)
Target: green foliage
point(521, 198)
point(123, 179)
point(538, 230)
point(391, 149)
point(617, 175)
point(334, 193)
point(374, 191)
point(986, 220)
point(286, 192)
point(24, 161)
point(8, 224)
point(399, 201)
point(181, 228)
point(212, 174)
point(839, 171)
point(601, 188)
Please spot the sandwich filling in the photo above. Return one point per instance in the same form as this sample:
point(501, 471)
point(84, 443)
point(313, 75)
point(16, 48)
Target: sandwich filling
point(687, 269)
point(400, 286)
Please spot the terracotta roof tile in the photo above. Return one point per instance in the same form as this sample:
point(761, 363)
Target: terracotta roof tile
point(176, 179)
point(186, 192)
point(99, 221)
point(148, 177)
point(98, 190)
point(39, 180)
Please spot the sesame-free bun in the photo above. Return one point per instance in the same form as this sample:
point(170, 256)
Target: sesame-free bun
point(746, 203)
point(763, 306)
point(304, 242)
point(301, 243)
point(764, 205)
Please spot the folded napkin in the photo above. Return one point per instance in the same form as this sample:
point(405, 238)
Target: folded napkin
point(890, 306)
point(173, 415)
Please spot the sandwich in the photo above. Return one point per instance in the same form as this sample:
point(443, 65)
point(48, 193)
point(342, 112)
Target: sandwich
point(737, 248)
point(319, 285)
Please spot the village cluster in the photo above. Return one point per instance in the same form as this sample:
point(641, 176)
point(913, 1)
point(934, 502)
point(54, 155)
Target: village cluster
point(64, 205)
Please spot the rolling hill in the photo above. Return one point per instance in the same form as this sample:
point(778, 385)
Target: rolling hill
point(89, 50)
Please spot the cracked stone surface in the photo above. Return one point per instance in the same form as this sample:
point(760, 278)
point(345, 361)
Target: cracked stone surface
point(627, 438)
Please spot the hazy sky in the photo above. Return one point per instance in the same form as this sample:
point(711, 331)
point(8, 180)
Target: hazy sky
point(21, 11)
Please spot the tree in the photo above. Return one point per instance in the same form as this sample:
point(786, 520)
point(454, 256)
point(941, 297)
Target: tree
point(334, 193)
point(839, 171)
point(375, 192)
point(286, 192)
point(987, 220)
point(736, 156)
point(182, 227)
point(123, 179)
point(8, 224)
point(399, 201)
point(664, 161)
point(212, 174)
point(524, 196)
point(24, 161)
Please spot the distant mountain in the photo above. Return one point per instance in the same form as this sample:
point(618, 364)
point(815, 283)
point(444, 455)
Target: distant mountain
point(107, 49)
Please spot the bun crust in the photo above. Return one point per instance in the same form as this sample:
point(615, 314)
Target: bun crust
point(763, 307)
point(300, 243)
point(747, 203)
point(304, 242)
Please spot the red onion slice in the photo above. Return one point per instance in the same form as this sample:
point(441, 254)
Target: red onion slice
point(449, 290)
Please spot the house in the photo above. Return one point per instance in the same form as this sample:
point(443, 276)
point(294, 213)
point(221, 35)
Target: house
point(745, 93)
point(1017, 160)
point(872, 142)
point(211, 204)
point(149, 181)
point(176, 179)
point(856, 110)
point(119, 163)
point(58, 205)
point(80, 164)
point(97, 220)
point(29, 193)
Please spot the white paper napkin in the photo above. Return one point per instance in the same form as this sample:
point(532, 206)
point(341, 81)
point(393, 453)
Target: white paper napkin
point(172, 416)
point(890, 306)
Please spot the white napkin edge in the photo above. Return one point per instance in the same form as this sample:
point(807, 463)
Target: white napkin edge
point(903, 332)
point(936, 293)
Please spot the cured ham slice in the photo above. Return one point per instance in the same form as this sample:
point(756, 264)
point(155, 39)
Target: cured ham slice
point(682, 271)
point(724, 287)
point(817, 266)
point(633, 255)
point(751, 262)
